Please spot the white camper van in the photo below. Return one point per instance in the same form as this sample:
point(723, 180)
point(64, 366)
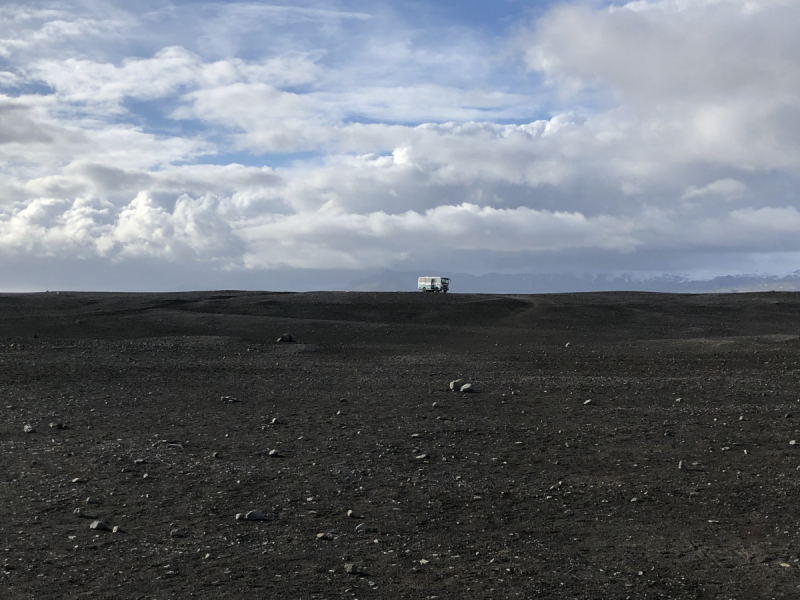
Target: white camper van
point(434, 284)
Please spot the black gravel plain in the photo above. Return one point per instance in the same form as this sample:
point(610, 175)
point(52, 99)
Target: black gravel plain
point(618, 446)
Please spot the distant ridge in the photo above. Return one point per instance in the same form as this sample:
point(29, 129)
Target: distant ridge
point(393, 281)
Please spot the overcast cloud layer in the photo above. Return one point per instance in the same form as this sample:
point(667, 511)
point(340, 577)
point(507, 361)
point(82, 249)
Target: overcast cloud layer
point(229, 137)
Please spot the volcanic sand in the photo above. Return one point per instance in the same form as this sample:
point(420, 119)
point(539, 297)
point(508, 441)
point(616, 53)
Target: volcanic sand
point(618, 445)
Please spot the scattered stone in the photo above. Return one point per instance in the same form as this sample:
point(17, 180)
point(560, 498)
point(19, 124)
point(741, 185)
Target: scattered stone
point(352, 569)
point(467, 388)
point(228, 399)
point(80, 512)
point(91, 500)
point(424, 561)
point(792, 442)
point(634, 499)
point(414, 435)
point(99, 526)
point(275, 453)
point(29, 429)
point(253, 515)
point(455, 384)
point(175, 532)
point(285, 339)
point(145, 476)
point(139, 461)
point(680, 464)
point(588, 401)
point(785, 565)
point(421, 456)
point(352, 515)
point(324, 536)
point(55, 425)
point(364, 528)
point(117, 529)
point(78, 480)
point(215, 455)
point(567, 345)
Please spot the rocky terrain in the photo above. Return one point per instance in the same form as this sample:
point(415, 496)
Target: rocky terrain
point(616, 445)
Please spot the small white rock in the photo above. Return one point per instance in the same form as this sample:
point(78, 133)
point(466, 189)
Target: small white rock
point(467, 388)
point(99, 526)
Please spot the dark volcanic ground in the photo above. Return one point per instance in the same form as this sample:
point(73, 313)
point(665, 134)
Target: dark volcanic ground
point(524, 489)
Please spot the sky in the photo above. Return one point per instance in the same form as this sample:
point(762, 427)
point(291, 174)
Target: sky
point(151, 145)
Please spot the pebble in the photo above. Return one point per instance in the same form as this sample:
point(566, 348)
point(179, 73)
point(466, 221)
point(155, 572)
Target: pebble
point(275, 452)
point(29, 429)
point(352, 515)
point(364, 528)
point(91, 500)
point(567, 345)
point(421, 456)
point(588, 401)
point(467, 388)
point(175, 532)
point(324, 536)
point(455, 384)
point(117, 529)
point(351, 568)
point(228, 399)
point(99, 526)
point(79, 512)
point(252, 515)
point(424, 561)
point(680, 464)
point(55, 425)
point(285, 338)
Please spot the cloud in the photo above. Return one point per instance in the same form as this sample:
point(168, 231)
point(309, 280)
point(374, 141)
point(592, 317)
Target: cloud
point(258, 137)
point(728, 189)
